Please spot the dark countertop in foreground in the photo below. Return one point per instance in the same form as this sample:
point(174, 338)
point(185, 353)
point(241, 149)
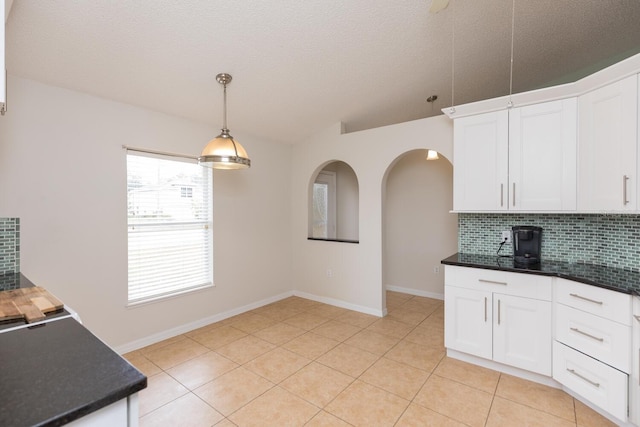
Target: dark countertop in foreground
point(616, 279)
point(57, 372)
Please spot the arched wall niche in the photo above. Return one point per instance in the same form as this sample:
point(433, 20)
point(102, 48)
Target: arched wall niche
point(418, 229)
point(333, 203)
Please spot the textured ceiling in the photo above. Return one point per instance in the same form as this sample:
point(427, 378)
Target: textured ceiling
point(301, 66)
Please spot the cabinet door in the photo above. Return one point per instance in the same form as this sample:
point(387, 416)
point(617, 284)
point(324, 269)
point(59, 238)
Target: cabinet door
point(480, 152)
point(542, 156)
point(522, 333)
point(468, 321)
point(607, 158)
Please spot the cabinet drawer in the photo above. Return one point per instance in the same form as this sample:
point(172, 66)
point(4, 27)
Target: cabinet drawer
point(516, 284)
point(600, 338)
point(611, 305)
point(600, 384)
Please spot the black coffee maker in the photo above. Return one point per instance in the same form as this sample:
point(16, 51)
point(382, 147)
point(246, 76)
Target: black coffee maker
point(527, 244)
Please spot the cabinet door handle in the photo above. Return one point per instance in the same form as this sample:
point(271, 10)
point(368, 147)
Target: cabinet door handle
point(586, 299)
point(485, 309)
point(625, 179)
point(501, 195)
point(514, 194)
point(586, 334)
point(492, 281)
point(498, 312)
point(637, 317)
point(583, 378)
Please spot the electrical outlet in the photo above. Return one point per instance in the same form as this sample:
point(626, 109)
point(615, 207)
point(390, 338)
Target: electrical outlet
point(436, 269)
point(506, 234)
point(329, 272)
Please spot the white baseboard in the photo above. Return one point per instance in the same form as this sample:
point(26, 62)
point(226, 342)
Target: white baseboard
point(416, 292)
point(341, 304)
point(169, 333)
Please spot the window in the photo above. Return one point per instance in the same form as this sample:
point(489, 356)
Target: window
point(169, 210)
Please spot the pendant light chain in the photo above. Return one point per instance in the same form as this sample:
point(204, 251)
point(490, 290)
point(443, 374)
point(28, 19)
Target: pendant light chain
point(513, 23)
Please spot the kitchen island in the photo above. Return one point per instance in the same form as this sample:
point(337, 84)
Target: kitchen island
point(57, 372)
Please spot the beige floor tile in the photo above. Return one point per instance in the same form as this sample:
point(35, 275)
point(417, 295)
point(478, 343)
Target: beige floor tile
point(205, 328)
point(311, 345)
point(278, 313)
point(245, 349)
point(176, 353)
point(186, 411)
point(348, 359)
point(354, 318)
point(399, 295)
point(430, 336)
point(160, 344)
point(397, 378)
point(336, 330)
point(141, 363)
point(472, 375)
point(251, 322)
point(329, 311)
point(538, 396)
point(277, 364)
point(219, 337)
point(362, 404)
point(277, 407)
point(422, 304)
point(417, 416)
point(233, 390)
point(325, 419)
point(505, 413)
point(279, 333)
point(372, 342)
point(306, 321)
point(225, 423)
point(394, 328)
point(455, 400)
point(202, 369)
point(435, 319)
point(406, 316)
point(161, 389)
point(317, 383)
point(587, 417)
point(416, 355)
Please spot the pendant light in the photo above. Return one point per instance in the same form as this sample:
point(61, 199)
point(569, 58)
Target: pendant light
point(224, 152)
point(432, 155)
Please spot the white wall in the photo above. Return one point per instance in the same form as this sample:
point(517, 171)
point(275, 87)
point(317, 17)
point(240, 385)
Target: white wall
point(356, 280)
point(419, 230)
point(63, 173)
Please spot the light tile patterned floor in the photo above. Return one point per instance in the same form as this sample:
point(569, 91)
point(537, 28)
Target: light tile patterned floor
point(302, 363)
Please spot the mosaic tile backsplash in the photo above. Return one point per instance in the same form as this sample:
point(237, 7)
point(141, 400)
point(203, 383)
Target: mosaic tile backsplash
point(611, 240)
point(9, 246)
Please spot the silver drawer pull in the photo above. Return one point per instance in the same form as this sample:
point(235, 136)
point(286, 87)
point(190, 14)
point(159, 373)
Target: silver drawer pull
point(586, 334)
point(586, 299)
point(581, 377)
point(637, 317)
point(492, 281)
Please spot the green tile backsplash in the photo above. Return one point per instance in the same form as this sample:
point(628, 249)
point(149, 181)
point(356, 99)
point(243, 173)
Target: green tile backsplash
point(611, 240)
point(9, 245)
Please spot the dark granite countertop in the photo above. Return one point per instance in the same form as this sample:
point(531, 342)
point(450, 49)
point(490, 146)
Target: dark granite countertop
point(57, 372)
point(615, 279)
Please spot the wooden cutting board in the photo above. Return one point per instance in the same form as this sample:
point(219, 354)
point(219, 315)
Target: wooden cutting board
point(29, 303)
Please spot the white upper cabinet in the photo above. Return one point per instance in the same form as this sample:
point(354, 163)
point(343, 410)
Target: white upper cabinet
point(481, 156)
point(523, 159)
point(607, 151)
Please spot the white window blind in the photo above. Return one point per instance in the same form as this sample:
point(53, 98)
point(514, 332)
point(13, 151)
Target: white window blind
point(169, 210)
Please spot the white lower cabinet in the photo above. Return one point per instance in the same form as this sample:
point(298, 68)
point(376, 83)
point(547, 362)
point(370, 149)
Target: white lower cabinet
point(600, 384)
point(483, 317)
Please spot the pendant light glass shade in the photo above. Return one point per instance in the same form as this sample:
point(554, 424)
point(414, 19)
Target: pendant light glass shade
point(224, 152)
